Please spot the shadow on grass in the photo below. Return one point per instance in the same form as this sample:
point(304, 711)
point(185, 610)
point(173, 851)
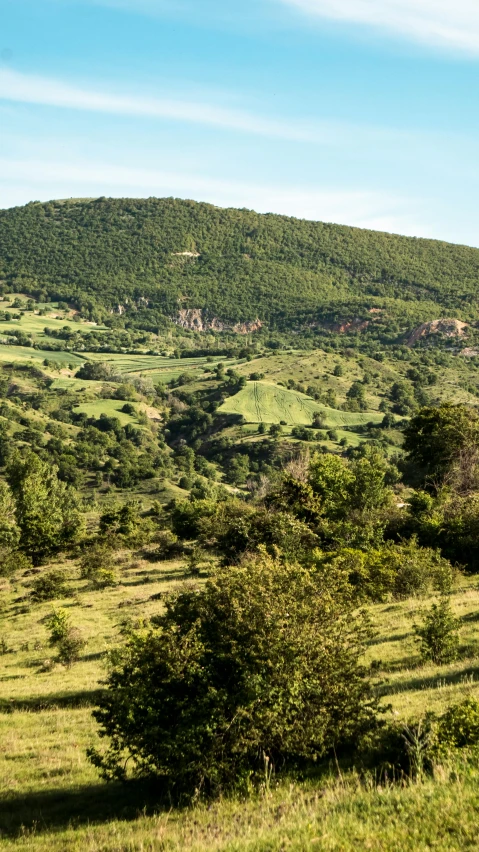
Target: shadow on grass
point(160, 577)
point(385, 640)
point(56, 701)
point(53, 810)
point(430, 682)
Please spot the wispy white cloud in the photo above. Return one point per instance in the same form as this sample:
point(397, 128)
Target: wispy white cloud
point(17, 87)
point(33, 89)
point(446, 23)
point(22, 180)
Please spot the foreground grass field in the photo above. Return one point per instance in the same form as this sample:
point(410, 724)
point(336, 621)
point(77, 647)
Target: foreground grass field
point(53, 799)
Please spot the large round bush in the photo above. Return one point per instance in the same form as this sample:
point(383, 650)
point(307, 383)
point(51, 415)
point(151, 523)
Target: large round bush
point(262, 663)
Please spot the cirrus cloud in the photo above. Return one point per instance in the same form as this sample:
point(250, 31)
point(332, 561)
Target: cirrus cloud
point(33, 89)
point(453, 25)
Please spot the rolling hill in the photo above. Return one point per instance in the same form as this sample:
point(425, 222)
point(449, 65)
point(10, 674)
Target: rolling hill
point(145, 260)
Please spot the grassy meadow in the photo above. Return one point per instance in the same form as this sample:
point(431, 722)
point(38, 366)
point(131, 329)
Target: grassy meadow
point(260, 402)
point(35, 325)
point(52, 798)
point(26, 355)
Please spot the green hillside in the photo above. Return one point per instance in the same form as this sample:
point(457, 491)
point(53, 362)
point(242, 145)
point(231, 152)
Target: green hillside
point(260, 402)
point(156, 256)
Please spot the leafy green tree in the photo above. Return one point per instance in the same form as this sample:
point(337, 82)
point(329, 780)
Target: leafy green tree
point(9, 531)
point(318, 420)
point(436, 437)
point(331, 479)
point(238, 470)
point(367, 490)
point(292, 496)
point(261, 664)
point(46, 509)
point(356, 391)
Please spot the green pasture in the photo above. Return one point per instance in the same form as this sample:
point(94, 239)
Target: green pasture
point(110, 407)
point(36, 357)
point(141, 363)
point(72, 384)
point(261, 402)
point(34, 324)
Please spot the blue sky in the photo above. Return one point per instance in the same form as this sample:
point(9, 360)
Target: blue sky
point(362, 112)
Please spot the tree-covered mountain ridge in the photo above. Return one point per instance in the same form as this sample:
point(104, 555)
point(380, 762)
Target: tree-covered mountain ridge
point(232, 266)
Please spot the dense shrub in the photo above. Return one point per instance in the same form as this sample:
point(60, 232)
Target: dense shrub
point(237, 528)
point(98, 567)
point(262, 663)
point(395, 571)
point(438, 634)
point(67, 639)
point(458, 727)
point(13, 562)
point(49, 586)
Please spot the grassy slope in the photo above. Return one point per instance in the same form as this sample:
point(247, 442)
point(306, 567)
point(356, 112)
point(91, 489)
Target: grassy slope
point(110, 407)
point(24, 354)
point(47, 783)
point(31, 323)
point(260, 402)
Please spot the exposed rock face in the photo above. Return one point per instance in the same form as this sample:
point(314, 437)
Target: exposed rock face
point(445, 327)
point(194, 320)
point(468, 352)
point(353, 325)
point(191, 318)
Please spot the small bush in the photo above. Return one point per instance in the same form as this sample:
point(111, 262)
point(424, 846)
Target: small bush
point(97, 566)
point(64, 637)
point(58, 624)
point(168, 545)
point(70, 647)
point(458, 727)
point(438, 635)
point(199, 560)
point(49, 586)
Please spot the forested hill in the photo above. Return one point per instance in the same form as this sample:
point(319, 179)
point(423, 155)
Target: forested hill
point(235, 264)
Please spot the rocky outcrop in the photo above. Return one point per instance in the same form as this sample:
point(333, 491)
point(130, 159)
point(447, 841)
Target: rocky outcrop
point(352, 325)
point(444, 327)
point(194, 320)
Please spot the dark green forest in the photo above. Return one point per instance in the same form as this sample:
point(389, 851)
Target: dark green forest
point(156, 256)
